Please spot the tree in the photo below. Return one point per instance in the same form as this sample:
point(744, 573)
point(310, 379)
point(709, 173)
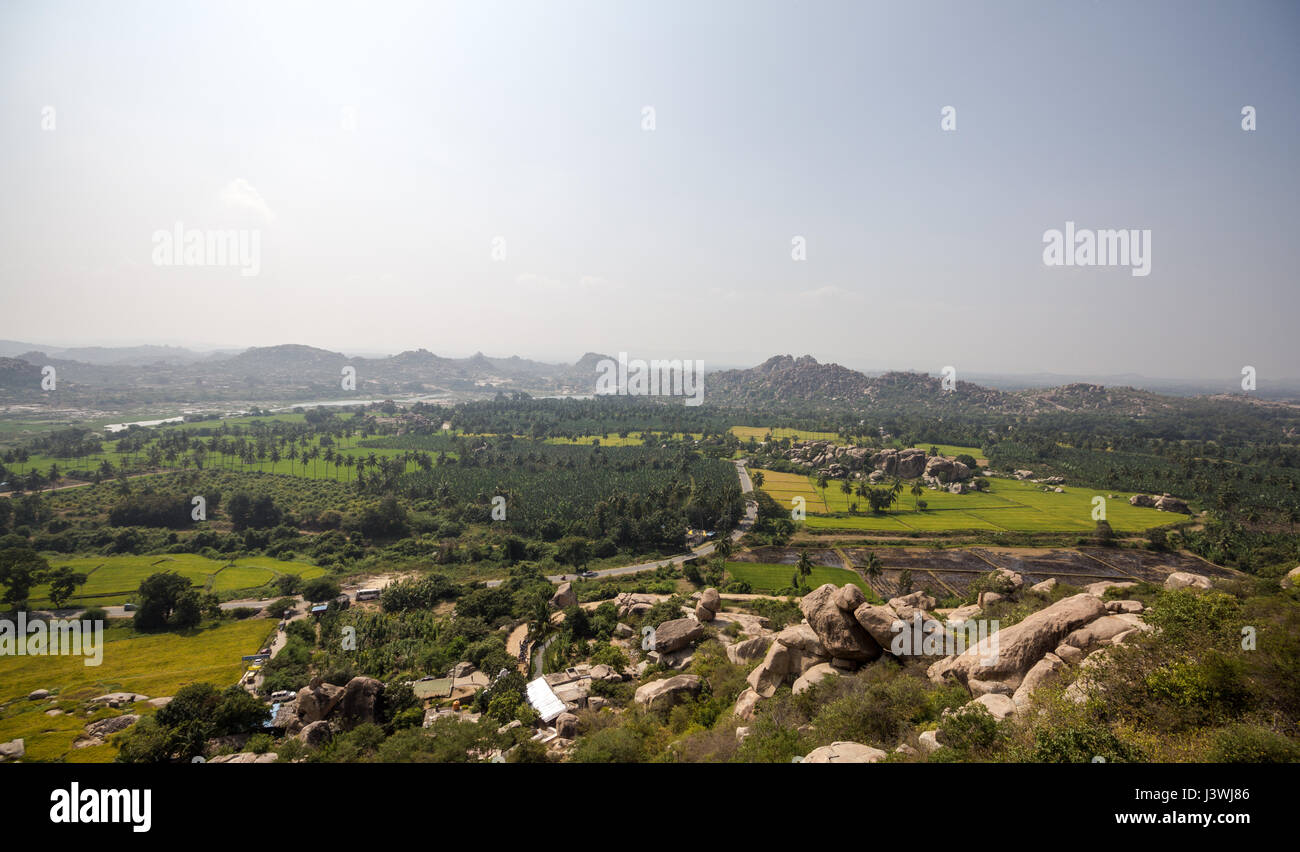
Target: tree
point(63, 582)
point(873, 566)
point(917, 490)
point(724, 546)
point(804, 566)
point(20, 569)
point(321, 589)
point(757, 479)
point(573, 550)
point(167, 601)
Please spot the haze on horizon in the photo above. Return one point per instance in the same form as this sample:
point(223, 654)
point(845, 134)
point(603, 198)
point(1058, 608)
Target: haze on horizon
point(382, 150)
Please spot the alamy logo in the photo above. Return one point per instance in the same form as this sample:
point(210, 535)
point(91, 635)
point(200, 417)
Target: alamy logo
point(60, 637)
point(1083, 247)
point(100, 806)
point(194, 247)
point(658, 378)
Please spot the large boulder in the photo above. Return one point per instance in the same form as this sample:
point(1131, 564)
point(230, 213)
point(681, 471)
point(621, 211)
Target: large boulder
point(711, 600)
point(1292, 577)
point(845, 752)
point(360, 702)
point(780, 663)
point(703, 613)
point(909, 605)
point(13, 750)
point(849, 597)
point(663, 694)
point(1049, 665)
point(743, 653)
point(747, 703)
point(1102, 631)
point(103, 728)
point(1045, 587)
point(1009, 653)
point(998, 704)
point(880, 622)
point(38, 694)
point(802, 638)
point(566, 725)
point(1186, 579)
point(317, 700)
point(1101, 587)
point(815, 674)
point(246, 757)
point(564, 597)
point(839, 632)
point(316, 733)
point(677, 634)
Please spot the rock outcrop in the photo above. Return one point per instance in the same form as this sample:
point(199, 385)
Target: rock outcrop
point(663, 694)
point(839, 632)
point(677, 634)
point(1009, 654)
point(564, 597)
point(845, 752)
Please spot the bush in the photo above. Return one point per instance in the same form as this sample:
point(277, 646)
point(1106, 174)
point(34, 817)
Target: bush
point(1081, 745)
point(1252, 744)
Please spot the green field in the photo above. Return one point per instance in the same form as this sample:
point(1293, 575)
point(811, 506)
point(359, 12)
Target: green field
point(155, 665)
point(111, 580)
point(1008, 505)
point(767, 578)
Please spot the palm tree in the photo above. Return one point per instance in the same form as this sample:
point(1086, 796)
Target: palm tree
point(873, 566)
point(917, 490)
point(804, 565)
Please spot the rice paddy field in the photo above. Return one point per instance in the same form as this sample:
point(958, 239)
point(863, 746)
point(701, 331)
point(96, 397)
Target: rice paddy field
point(768, 578)
point(111, 580)
point(1008, 505)
point(155, 664)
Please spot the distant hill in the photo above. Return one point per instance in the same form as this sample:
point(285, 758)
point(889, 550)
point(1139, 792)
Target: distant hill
point(297, 372)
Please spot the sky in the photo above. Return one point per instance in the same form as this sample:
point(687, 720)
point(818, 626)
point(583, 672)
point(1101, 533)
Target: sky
point(547, 179)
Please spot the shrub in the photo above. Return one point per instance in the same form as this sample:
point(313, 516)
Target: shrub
point(1252, 744)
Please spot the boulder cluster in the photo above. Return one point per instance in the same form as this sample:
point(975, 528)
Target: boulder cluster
point(1164, 503)
point(837, 461)
point(321, 709)
point(841, 631)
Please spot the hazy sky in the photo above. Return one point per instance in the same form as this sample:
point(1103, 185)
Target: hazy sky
point(379, 149)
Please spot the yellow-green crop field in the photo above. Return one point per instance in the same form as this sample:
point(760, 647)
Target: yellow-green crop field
point(110, 580)
point(152, 664)
point(1009, 505)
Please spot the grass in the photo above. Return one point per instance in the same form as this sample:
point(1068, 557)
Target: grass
point(153, 664)
point(111, 580)
point(1010, 505)
point(767, 578)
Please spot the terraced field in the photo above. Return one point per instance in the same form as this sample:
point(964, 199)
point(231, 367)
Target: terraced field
point(1009, 504)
